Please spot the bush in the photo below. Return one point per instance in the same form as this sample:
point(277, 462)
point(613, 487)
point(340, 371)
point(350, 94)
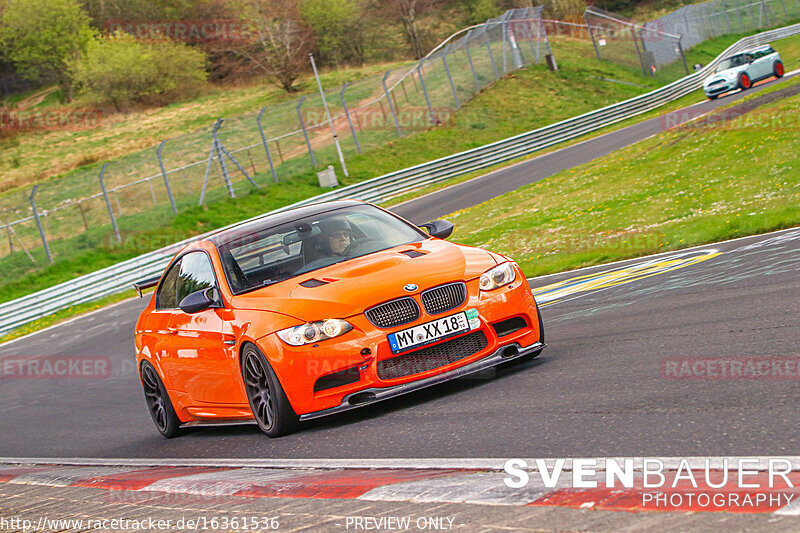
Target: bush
point(121, 70)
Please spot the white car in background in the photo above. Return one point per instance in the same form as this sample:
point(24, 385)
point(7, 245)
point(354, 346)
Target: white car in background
point(742, 70)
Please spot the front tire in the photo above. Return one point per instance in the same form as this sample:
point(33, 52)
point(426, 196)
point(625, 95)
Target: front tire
point(271, 408)
point(713, 96)
point(777, 69)
point(744, 81)
point(158, 402)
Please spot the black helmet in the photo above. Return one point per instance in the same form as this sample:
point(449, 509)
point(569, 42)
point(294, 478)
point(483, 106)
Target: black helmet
point(334, 224)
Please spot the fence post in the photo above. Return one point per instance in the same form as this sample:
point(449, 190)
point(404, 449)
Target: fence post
point(530, 40)
point(471, 65)
point(108, 203)
point(449, 76)
point(391, 105)
point(222, 165)
point(638, 52)
point(425, 91)
point(266, 147)
point(349, 120)
point(739, 16)
point(491, 55)
point(164, 175)
point(683, 56)
point(591, 35)
point(208, 171)
point(305, 132)
point(504, 33)
point(8, 231)
point(152, 193)
point(235, 162)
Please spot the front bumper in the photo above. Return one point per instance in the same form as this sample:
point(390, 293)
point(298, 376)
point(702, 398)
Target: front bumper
point(369, 396)
point(719, 88)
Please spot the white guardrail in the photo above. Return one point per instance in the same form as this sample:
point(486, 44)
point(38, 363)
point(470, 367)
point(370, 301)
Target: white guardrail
point(120, 277)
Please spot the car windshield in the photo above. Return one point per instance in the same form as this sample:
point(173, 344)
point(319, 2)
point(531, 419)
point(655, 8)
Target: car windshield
point(730, 62)
point(265, 256)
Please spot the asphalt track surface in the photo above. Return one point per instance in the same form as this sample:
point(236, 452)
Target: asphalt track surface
point(599, 389)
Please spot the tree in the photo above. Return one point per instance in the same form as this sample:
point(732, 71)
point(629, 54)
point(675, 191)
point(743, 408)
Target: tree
point(339, 27)
point(40, 37)
point(122, 70)
point(281, 39)
point(408, 12)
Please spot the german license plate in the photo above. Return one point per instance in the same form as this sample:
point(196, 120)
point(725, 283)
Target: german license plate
point(429, 332)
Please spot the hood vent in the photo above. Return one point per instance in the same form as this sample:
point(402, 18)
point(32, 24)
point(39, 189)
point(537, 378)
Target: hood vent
point(311, 283)
point(412, 253)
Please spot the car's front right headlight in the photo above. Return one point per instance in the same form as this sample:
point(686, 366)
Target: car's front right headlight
point(497, 277)
point(314, 331)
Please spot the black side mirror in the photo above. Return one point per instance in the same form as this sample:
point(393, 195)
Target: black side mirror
point(440, 229)
point(200, 301)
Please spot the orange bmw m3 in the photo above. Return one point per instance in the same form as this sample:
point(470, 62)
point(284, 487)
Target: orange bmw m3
point(320, 309)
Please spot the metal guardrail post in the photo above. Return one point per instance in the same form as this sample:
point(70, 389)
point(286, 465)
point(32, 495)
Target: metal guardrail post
point(450, 77)
point(391, 105)
point(349, 120)
point(471, 64)
point(108, 203)
point(266, 146)
point(425, 91)
point(164, 175)
point(31, 198)
point(305, 132)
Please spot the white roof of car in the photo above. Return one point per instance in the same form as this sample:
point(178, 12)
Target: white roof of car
point(758, 49)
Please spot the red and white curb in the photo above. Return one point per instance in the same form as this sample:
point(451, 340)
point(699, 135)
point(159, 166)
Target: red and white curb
point(418, 484)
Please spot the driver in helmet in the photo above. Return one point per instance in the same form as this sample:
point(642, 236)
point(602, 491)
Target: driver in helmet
point(337, 236)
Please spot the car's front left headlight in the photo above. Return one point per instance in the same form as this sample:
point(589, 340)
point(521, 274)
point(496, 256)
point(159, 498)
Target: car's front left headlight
point(497, 277)
point(312, 332)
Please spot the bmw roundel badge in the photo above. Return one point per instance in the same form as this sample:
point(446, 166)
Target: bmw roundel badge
point(410, 287)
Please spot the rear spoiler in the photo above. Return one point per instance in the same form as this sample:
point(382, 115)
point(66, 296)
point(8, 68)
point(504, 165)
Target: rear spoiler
point(145, 284)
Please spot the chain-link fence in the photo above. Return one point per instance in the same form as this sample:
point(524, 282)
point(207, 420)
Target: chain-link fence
point(662, 41)
point(101, 204)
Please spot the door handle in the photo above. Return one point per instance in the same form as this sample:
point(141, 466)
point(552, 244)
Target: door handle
point(172, 330)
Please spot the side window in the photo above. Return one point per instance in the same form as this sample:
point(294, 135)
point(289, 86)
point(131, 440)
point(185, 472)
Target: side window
point(167, 297)
point(196, 274)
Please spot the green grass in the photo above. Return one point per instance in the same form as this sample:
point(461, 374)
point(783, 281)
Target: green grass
point(693, 185)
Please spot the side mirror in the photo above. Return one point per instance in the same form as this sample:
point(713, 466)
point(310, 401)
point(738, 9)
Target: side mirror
point(200, 301)
point(440, 229)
